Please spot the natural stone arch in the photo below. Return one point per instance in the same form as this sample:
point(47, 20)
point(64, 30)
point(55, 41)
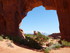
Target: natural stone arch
point(13, 11)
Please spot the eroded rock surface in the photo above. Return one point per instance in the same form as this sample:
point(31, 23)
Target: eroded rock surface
point(13, 11)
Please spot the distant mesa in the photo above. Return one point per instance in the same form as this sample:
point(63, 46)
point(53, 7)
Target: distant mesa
point(55, 35)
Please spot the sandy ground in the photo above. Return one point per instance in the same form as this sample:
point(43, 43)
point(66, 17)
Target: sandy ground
point(8, 47)
point(61, 50)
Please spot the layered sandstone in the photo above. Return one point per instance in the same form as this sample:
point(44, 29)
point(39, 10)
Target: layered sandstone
point(13, 11)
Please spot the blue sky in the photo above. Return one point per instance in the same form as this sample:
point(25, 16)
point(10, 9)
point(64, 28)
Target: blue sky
point(39, 19)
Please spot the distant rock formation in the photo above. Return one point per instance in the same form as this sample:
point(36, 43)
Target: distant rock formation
point(35, 33)
point(13, 11)
point(55, 35)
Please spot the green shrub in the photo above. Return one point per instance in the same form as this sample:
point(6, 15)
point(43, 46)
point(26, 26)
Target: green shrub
point(53, 46)
point(33, 44)
point(28, 41)
point(29, 35)
point(65, 43)
point(46, 50)
point(16, 39)
point(38, 38)
point(57, 46)
point(41, 38)
point(1, 38)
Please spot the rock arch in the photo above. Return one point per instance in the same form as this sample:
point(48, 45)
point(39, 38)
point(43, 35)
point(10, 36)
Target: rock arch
point(13, 11)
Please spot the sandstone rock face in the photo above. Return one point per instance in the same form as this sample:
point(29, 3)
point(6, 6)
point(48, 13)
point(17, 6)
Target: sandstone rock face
point(13, 11)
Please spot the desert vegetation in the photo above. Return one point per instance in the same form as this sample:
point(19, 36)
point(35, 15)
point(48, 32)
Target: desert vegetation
point(1, 38)
point(39, 38)
point(37, 42)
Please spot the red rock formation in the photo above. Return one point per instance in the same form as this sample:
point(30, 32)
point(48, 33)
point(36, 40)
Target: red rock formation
point(13, 11)
point(35, 33)
point(55, 35)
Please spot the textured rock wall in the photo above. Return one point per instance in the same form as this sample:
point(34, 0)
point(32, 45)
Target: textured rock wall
point(13, 11)
point(63, 10)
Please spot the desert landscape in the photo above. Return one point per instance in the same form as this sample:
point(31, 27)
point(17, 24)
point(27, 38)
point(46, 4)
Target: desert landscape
point(14, 40)
point(48, 45)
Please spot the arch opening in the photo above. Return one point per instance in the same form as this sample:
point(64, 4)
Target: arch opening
point(40, 19)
